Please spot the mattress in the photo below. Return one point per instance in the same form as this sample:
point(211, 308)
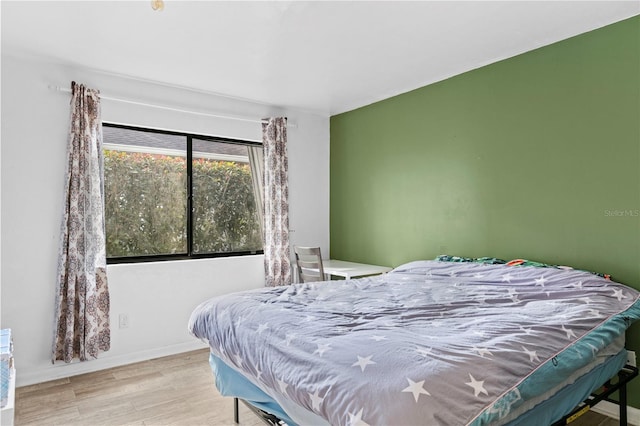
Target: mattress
point(428, 343)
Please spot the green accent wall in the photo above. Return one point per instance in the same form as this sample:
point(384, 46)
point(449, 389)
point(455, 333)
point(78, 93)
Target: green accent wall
point(536, 156)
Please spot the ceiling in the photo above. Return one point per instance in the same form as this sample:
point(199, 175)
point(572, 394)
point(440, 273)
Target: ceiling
point(325, 57)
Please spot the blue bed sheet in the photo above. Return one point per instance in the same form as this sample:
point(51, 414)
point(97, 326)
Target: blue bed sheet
point(231, 383)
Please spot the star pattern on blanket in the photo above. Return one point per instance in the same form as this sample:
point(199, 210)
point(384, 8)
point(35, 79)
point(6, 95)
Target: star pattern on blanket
point(378, 338)
point(262, 327)
point(356, 419)
point(316, 400)
point(594, 350)
point(283, 386)
point(570, 333)
point(533, 356)
point(540, 281)
point(507, 278)
point(618, 294)
point(477, 385)
point(416, 388)
point(363, 362)
point(482, 351)
point(594, 312)
point(322, 348)
point(526, 330)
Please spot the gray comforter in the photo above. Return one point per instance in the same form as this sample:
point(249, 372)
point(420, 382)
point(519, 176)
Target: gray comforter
point(433, 343)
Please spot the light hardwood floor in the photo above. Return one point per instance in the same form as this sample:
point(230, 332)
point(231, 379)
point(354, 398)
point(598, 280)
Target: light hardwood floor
point(174, 390)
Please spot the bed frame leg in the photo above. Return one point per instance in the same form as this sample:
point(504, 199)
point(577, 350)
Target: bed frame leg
point(236, 411)
point(623, 404)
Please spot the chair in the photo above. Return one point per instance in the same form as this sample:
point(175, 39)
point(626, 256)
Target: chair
point(309, 262)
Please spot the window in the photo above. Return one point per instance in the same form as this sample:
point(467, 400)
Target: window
point(171, 195)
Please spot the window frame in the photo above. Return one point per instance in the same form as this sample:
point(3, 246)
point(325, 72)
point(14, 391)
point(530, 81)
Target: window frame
point(189, 159)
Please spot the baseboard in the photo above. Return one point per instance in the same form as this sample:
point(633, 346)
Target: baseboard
point(612, 410)
point(61, 370)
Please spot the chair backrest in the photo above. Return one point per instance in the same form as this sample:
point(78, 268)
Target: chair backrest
point(309, 262)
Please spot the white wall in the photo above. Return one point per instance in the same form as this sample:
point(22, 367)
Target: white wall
point(158, 297)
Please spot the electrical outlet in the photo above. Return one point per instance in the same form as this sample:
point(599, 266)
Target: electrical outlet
point(123, 321)
point(631, 358)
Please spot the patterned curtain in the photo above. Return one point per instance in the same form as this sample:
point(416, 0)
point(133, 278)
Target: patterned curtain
point(256, 162)
point(277, 262)
point(82, 297)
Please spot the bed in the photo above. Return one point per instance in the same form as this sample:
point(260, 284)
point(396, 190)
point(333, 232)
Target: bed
point(445, 342)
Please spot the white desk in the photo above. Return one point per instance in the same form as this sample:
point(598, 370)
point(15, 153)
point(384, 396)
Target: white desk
point(349, 270)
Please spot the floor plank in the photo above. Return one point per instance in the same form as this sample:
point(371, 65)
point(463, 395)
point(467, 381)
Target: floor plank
point(177, 390)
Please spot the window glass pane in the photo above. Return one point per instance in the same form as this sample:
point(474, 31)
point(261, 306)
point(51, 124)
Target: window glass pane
point(145, 192)
point(224, 207)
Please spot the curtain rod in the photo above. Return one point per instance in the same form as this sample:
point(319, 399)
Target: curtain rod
point(206, 114)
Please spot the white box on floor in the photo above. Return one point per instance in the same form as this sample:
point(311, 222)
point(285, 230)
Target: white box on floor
point(6, 364)
point(7, 412)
